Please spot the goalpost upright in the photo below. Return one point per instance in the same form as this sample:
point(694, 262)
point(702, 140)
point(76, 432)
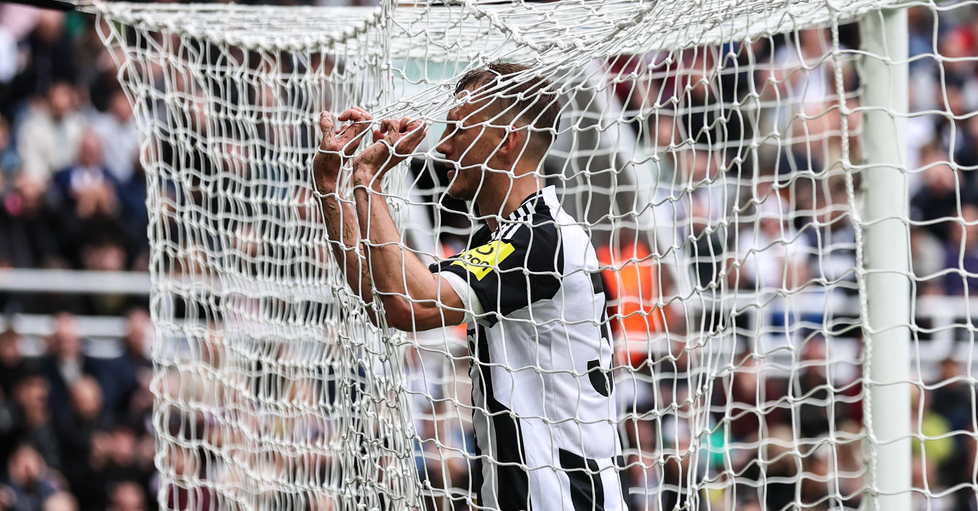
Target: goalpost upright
point(886, 256)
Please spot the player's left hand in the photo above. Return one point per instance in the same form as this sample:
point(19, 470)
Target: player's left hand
point(337, 146)
point(393, 142)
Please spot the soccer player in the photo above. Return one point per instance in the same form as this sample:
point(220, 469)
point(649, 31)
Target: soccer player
point(529, 288)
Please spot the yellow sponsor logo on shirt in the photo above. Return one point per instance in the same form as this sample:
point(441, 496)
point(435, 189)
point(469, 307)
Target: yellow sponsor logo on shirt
point(481, 260)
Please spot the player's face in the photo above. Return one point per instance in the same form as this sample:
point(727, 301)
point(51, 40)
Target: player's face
point(468, 145)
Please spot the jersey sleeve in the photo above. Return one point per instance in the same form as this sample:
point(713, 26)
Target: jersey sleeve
point(512, 271)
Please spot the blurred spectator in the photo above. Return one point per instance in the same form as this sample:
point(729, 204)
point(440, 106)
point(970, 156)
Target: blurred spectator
point(50, 57)
point(28, 479)
point(120, 148)
point(61, 501)
point(92, 218)
point(29, 227)
point(745, 399)
point(120, 139)
point(51, 131)
point(124, 458)
point(18, 20)
point(816, 397)
point(920, 21)
point(958, 98)
point(132, 369)
point(12, 364)
point(851, 463)
point(139, 329)
point(771, 472)
point(82, 439)
point(181, 495)
point(926, 261)
point(9, 424)
point(773, 254)
point(959, 471)
point(931, 443)
point(696, 72)
point(132, 196)
point(104, 251)
point(937, 200)
point(815, 479)
point(126, 496)
point(832, 236)
point(962, 254)
point(953, 397)
point(86, 187)
point(65, 364)
point(33, 422)
point(958, 46)
point(923, 86)
point(102, 74)
point(139, 414)
point(634, 286)
point(707, 252)
point(805, 77)
point(678, 464)
point(642, 474)
point(802, 65)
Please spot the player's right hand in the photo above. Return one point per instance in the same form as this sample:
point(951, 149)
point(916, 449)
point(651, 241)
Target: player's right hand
point(393, 143)
point(338, 145)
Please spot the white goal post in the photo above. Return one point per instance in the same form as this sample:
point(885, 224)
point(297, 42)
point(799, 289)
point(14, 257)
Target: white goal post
point(743, 170)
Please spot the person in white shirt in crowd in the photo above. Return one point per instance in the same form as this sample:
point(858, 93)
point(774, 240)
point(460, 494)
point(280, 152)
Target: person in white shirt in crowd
point(120, 137)
point(773, 254)
point(49, 137)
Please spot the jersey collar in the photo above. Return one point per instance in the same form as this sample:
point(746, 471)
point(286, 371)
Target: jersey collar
point(529, 204)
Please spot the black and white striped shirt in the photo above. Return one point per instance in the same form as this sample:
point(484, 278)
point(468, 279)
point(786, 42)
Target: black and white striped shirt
point(545, 416)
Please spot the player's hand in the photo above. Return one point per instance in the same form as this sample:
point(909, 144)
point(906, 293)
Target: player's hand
point(393, 142)
point(337, 145)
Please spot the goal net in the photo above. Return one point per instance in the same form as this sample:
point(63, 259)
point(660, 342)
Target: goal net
point(724, 158)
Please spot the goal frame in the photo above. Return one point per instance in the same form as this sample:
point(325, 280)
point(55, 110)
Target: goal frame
point(883, 262)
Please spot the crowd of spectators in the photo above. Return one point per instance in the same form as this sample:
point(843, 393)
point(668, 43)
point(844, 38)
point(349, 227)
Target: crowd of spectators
point(943, 144)
point(74, 428)
point(73, 192)
point(75, 431)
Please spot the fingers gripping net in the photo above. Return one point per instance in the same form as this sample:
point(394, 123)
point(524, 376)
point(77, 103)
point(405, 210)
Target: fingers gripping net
point(710, 155)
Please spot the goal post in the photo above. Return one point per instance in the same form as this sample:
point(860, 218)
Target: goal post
point(886, 256)
point(785, 327)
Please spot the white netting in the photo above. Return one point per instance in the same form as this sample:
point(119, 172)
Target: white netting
point(709, 151)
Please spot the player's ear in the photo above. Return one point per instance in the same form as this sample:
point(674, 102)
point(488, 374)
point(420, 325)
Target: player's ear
point(512, 144)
